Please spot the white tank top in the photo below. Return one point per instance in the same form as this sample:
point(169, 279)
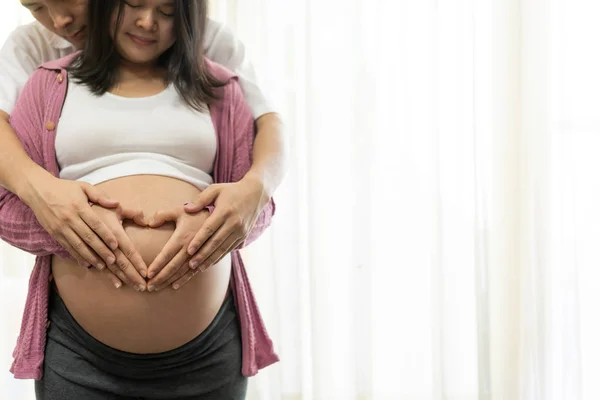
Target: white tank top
point(100, 138)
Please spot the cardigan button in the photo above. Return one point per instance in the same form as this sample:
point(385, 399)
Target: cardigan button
point(50, 126)
point(60, 78)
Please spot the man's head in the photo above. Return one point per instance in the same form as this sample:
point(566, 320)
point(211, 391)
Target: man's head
point(66, 18)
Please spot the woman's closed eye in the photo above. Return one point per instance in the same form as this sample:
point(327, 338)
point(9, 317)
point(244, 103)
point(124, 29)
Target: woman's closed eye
point(132, 4)
point(166, 10)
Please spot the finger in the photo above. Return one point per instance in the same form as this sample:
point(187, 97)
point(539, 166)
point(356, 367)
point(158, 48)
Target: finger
point(67, 246)
point(185, 268)
point(96, 196)
point(232, 246)
point(206, 198)
point(180, 274)
point(185, 279)
point(169, 270)
point(161, 217)
point(211, 245)
point(168, 252)
point(131, 253)
point(116, 271)
point(209, 228)
point(98, 226)
point(97, 235)
point(130, 276)
point(238, 244)
point(136, 216)
point(83, 250)
point(213, 257)
point(117, 283)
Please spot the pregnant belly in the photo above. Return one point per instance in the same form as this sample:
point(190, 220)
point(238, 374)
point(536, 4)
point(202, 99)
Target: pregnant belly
point(143, 322)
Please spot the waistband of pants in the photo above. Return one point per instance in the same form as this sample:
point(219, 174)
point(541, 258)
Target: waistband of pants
point(67, 331)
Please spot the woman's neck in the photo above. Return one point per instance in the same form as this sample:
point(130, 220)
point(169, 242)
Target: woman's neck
point(137, 80)
point(131, 72)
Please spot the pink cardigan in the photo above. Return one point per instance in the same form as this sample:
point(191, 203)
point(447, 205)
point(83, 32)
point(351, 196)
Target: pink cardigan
point(34, 119)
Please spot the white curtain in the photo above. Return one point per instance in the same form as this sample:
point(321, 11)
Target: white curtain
point(435, 237)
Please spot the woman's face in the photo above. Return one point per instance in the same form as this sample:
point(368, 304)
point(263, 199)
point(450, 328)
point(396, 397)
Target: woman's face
point(147, 30)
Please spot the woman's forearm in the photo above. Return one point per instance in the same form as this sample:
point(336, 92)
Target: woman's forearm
point(20, 228)
point(40, 213)
point(17, 169)
point(270, 154)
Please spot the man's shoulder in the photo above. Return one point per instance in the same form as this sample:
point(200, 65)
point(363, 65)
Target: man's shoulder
point(61, 63)
point(34, 34)
point(218, 71)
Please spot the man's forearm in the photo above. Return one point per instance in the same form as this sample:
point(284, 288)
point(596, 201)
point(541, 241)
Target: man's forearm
point(270, 153)
point(16, 168)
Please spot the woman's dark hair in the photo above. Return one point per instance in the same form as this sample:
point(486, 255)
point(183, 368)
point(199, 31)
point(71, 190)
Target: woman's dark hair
point(96, 67)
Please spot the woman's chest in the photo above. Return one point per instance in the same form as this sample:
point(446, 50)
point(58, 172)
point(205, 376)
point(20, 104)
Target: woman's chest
point(93, 127)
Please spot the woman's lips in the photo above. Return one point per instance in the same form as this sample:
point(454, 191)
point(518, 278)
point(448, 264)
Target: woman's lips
point(140, 40)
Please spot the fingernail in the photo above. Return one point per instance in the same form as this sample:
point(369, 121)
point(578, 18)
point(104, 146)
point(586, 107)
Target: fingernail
point(192, 251)
point(117, 285)
point(113, 245)
point(100, 266)
point(111, 260)
point(176, 286)
point(141, 288)
point(151, 274)
point(151, 288)
point(194, 264)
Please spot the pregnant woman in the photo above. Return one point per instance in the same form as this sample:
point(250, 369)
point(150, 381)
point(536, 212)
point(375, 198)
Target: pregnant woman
point(145, 118)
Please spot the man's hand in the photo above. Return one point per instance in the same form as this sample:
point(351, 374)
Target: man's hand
point(129, 266)
point(62, 208)
point(171, 266)
point(237, 207)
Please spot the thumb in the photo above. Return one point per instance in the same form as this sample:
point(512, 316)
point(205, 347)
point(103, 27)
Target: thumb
point(160, 217)
point(96, 196)
point(136, 215)
point(204, 199)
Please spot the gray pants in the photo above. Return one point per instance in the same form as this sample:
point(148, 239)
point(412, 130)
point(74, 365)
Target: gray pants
point(78, 367)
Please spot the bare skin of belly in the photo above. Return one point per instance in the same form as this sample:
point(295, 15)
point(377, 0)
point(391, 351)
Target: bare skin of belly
point(143, 322)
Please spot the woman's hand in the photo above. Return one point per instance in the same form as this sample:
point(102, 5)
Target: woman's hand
point(129, 266)
point(62, 208)
point(171, 265)
point(237, 207)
